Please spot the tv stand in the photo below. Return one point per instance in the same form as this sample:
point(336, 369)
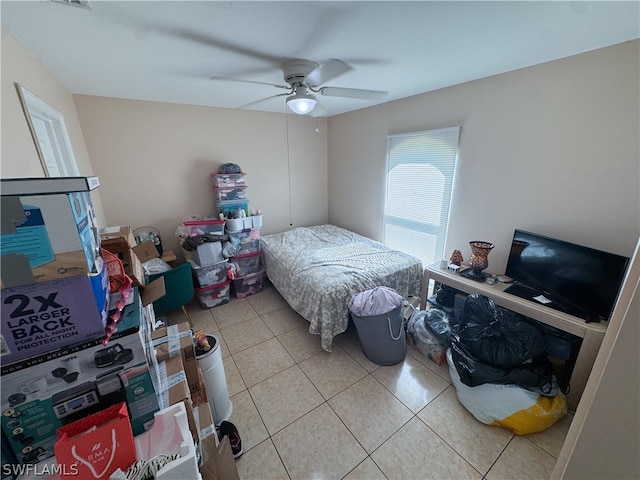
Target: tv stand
point(591, 333)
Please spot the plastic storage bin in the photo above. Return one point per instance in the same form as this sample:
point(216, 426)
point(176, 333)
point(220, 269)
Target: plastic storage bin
point(247, 285)
point(211, 275)
point(230, 207)
point(247, 263)
point(245, 241)
point(229, 193)
point(226, 180)
point(204, 226)
point(214, 295)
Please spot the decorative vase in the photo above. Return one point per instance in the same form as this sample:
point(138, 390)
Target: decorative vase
point(479, 261)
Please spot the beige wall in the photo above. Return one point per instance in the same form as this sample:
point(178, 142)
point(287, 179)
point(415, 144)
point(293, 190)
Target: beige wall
point(18, 151)
point(553, 149)
point(154, 162)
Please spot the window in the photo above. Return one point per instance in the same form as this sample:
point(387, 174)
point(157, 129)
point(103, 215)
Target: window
point(420, 171)
point(50, 136)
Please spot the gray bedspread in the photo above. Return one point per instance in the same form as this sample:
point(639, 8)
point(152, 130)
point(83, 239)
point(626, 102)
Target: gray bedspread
point(318, 269)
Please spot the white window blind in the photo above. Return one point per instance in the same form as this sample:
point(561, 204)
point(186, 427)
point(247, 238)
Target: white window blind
point(419, 178)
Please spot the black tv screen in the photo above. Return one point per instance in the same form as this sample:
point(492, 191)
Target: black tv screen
point(578, 280)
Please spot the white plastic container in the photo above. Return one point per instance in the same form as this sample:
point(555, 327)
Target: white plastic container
point(170, 434)
point(215, 381)
point(256, 221)
point(234, 224)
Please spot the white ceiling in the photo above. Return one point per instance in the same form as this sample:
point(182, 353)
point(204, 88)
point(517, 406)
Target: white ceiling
point(168, 50)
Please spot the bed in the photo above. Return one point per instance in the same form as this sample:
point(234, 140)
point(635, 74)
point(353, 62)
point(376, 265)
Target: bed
point(318, 269)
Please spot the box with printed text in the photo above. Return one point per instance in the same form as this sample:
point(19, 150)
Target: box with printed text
point(47, 236)
point(42, 393)
point(49, 315)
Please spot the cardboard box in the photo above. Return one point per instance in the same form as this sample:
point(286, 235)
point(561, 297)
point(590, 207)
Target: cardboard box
point(132, 257)
point(217, 461)
point(208, 253)
point(50, 315)
point(171, 386)
point(117, 239)
point(47, 237)
point(42, 393)
point(204, 422)
point(177, 340)
point(132, 267)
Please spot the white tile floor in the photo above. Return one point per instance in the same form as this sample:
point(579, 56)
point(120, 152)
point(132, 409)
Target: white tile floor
point(304, 413)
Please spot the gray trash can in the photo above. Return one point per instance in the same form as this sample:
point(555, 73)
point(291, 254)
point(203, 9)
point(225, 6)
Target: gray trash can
point(378, 317)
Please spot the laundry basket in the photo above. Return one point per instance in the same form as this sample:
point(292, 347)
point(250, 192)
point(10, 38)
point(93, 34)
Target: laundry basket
point(378, 317)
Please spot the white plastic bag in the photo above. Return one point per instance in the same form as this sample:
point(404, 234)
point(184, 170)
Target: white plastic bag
point(511, 406)
point(156, 265)
point(423, 339)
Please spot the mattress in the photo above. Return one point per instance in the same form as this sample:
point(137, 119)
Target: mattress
point(318, 269)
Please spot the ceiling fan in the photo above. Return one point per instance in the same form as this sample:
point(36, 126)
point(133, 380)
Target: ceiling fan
point(304, 78)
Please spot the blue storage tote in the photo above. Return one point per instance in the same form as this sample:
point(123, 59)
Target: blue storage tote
point(230, 207)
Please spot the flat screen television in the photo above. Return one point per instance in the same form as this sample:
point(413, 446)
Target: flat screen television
point(572, 278)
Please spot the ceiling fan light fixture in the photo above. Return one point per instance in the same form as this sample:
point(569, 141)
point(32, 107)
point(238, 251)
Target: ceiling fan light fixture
point(301, 102)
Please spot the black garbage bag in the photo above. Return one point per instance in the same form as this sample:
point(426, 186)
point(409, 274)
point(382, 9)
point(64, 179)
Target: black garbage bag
point(497, 336)
point(445, 296)
point(537, 373)
point(437, 321)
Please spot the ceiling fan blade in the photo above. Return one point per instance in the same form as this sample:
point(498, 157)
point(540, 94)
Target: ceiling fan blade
point(326, 72)
point(263, 100)
point(231, 79)
point(353, 93)
point(211, 41)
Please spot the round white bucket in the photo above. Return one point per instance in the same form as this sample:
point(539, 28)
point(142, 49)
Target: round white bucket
point(215, 381)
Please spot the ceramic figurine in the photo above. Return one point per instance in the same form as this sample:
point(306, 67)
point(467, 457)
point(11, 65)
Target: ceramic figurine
point(456, 258)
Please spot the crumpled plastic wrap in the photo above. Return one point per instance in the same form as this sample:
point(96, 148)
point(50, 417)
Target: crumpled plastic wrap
point(423, 339)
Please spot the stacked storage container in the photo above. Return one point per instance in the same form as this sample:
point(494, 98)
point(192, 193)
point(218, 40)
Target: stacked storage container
point(229, 191)
point(55, 295)
point(208, 265)
point(243, 231)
